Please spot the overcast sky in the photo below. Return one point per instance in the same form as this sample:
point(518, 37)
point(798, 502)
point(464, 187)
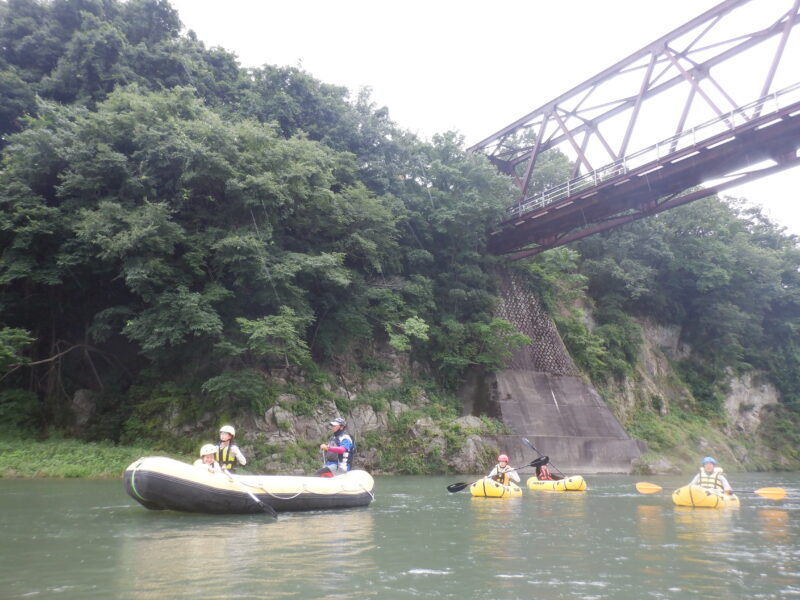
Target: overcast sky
point(472, 66)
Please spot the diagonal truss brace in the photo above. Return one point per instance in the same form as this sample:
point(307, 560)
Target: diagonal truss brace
point(596, 122)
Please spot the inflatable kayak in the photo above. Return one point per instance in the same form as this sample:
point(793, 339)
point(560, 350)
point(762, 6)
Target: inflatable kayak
point(575, 483)
point(489, 488)
point(694, 495)
point(161, 483)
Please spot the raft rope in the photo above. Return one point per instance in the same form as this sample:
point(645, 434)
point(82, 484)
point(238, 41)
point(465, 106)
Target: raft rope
point(371, 495)
point(305, 489)
point(277, 497)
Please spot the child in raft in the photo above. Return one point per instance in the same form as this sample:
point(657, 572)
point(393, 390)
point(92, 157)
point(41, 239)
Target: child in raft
point(208, 459)
point(502, 473)
point(228, 454)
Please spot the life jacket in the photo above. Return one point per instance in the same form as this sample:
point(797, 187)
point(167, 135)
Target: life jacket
point(501, 474)
point(543, 473)
point(710, 480)
point(344, 461)
point(225, 457)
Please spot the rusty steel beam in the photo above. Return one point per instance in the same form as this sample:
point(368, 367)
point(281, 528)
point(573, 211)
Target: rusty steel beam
point(657, 186)
point(648, 209)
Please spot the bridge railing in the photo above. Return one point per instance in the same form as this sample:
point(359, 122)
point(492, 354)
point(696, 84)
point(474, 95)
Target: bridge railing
point(656, 153)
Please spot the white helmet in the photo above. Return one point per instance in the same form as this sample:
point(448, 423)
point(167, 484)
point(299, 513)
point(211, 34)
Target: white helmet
point(228, 429)
point(208, 449)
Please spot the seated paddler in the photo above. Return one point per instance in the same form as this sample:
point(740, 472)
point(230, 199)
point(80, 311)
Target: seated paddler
point(711, 477)
point(338, 452)
point(502, 473)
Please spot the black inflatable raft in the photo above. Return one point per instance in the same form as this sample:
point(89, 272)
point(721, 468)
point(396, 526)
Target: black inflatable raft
point(161, 483)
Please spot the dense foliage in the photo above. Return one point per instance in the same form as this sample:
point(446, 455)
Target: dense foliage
point(723, 273)
point(174, 227)
point(165, 215)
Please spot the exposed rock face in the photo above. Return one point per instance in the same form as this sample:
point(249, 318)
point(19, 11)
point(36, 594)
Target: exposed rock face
point(472, 458)
point(655, 384)
point(657, 387)
point(280, 427)
point(747, 398)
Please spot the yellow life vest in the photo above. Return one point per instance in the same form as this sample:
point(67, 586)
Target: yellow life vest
point(226, 458)
point(711, 480)
point(501, 475)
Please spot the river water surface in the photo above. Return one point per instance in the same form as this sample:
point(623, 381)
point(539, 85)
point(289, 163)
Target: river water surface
point(78, 539)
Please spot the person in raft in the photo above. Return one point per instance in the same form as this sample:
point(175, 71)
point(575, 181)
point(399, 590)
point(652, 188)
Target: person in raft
point(338, 452)
point(544, 474)
point(228, 454)
point(502, 473)
point(711, 477)
point(208, 459)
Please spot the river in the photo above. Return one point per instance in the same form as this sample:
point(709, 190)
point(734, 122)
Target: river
point(80, 539)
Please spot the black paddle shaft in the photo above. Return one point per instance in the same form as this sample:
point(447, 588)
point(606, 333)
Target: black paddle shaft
point(264, 507)
point(527, 441)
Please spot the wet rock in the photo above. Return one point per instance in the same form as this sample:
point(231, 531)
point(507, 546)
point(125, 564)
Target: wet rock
point(471, 457)
point(470, 422)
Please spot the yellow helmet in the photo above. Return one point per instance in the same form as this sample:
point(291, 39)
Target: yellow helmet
point(228, 429)
point(208, 449)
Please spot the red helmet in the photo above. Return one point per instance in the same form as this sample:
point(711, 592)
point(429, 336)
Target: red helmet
point(502, 458)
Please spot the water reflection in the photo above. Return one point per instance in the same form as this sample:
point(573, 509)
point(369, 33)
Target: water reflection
point(563, 504)
point(201, 553)
point(704, 527)
point(704, 535)
point(773, 523)
point(494, 524)
point(650, 523)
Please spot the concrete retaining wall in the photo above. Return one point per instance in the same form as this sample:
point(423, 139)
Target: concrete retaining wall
point(541, 397)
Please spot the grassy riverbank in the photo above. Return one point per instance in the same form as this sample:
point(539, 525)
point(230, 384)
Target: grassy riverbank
point(59, 457)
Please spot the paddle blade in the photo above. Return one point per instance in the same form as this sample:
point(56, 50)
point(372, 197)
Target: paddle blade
point(647, 488)
point(456, 487)
point(772, 493)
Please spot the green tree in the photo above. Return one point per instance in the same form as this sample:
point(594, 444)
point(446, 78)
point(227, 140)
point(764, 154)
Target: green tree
point(278, 337)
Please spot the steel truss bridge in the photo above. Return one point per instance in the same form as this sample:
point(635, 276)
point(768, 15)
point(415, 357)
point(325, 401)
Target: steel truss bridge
point(721, 93)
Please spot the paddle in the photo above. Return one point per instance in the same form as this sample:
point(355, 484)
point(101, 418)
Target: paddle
point(265, 507)
point(527, 441)
point(325, 471)
point(771, 493)
point(457, 487)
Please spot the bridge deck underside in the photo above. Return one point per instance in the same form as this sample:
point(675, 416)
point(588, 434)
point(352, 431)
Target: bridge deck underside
point(651, 188)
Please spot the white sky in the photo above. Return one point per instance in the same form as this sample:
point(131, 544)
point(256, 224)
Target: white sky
point(473, 66)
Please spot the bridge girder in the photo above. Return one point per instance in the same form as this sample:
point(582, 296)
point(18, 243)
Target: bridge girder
point(684, 79)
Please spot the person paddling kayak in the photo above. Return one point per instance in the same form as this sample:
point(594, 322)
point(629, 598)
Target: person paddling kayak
point(502, 473)
point(711, 477)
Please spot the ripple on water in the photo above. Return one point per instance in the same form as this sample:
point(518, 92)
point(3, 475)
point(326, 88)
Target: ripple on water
point(428, 572)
